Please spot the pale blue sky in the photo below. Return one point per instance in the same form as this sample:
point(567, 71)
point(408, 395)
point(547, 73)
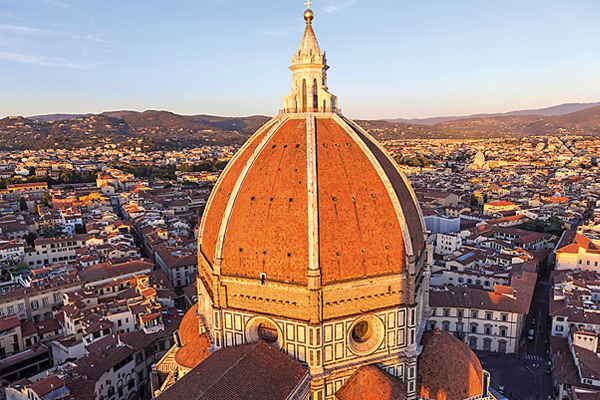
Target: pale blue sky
point(388, 58)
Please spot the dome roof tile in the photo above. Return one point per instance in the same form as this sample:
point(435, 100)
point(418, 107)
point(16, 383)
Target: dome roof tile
point(447, 369)
point(365, 229)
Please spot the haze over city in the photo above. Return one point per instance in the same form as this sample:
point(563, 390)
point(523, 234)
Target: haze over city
point(391, 58)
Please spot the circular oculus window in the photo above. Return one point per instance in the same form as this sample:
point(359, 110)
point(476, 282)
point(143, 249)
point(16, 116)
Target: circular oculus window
point(366, 335)
point(261, 328)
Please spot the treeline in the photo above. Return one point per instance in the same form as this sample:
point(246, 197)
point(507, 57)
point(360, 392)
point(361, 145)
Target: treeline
point(66, 176)
point(413, 161)
point(168, 171)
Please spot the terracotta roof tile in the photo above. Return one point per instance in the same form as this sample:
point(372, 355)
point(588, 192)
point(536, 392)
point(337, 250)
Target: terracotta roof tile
point(371, 383)
point(267, 231)
point(447, 369)
point(254, 371)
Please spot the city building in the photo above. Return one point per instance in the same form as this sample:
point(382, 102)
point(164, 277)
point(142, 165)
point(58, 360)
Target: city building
point(490, 320)
point(577, 251)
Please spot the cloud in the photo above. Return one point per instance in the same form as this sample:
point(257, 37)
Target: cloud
point(45, 62)
point(56, 3)
point(25, 29)
point(338, 6)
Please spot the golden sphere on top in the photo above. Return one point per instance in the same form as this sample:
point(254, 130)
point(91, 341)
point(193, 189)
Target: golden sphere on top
point(309, 16)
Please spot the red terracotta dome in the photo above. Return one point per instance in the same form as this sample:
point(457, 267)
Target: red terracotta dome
point(447, 369)
point(194, 352)
point(311, 180)
point(194, 346)
point(189, 328)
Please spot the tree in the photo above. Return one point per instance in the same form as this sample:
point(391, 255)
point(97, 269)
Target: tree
point(30, 239)
point(185, 167)
point(22, 267)
point(46, 199)
point(23, 204)
point(52, 231)
point(473, 200)
point(32, 171)
point(79, 229)
point(168, 185)
point(485, 198)
point(189, 183)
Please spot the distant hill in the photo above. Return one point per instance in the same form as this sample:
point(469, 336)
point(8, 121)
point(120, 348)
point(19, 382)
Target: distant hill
point(149, 130)
point(584, 122)
point(561, 109)
point(56, 117)
point(166, 130)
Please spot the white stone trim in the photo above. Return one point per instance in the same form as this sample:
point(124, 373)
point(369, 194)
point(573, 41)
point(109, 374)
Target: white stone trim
point(313, 201)
point(386, 182)
point(238, 185)
point(406, 182)
point(225, 171)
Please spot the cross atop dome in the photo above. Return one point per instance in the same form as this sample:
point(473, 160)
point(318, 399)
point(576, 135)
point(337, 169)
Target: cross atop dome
point(310, 93)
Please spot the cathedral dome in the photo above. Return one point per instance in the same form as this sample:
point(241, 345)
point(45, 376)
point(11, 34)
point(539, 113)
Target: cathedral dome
point(448, 369)
point(310, 203)
point(311, 180)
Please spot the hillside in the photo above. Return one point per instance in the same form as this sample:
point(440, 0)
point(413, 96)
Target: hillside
point(561, 109)
point(163, 129)
point(149, 129)
point(584, 122)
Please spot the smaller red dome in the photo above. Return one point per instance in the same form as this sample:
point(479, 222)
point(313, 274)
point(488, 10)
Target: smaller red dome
point(447, 368)
point(194, 346)
point(188, 328)
point(194, 352)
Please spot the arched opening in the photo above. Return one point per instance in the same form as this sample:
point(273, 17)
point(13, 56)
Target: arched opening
point(304, 95)
point(362, 332)
point(315, 104)
point(267, 332)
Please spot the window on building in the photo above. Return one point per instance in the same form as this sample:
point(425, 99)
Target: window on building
point(433, 312)
point(34, 304)
point(580, 261)
point(446, 326)
point(10, 311)
point(446, 313)
point(473, 328)
point(502, 331)
point(45, 301)
point(21, 307)
point(504, 317)
point(488, 315)
point(559, 328)
point(460, 313)
point(561, 319)
point(488, 330)
point(460, 280)
point(474, 314)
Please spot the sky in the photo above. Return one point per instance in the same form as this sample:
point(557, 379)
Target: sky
point(388, 58)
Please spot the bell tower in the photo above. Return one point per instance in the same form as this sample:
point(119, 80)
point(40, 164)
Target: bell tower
point(310, 93)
